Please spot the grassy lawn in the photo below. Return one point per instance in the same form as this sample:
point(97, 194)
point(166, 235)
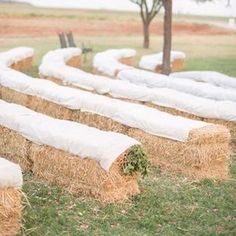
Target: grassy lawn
point(168, 204)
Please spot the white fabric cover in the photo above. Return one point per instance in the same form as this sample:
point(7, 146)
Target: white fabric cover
point(71, 137)
point(150, 62)
point(108, 63)
point(59, 56)
point(10, 174)
point(16, 54)
point(101, 84)
point(202, 107)
point(138, 116)
point(154, 80)
point(211, 77)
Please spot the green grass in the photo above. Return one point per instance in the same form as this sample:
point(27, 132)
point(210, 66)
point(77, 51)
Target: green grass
point(167, 205)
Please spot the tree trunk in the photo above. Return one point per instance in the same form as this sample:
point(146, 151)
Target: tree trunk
point(146, 33)
point(166, 63)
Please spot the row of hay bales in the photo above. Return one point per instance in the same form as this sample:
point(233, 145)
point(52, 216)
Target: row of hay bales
point(79, 158)
point(153, 62)
point(164, 99)
point(108, 63)
point(195, 148)
point(86, 160)
point(76, 157)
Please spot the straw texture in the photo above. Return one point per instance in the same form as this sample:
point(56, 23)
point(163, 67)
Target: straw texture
point(126, 60)
point(83, 176)
point(15, 148)
point(204, 155)
point(74, 61)
point(22, 65)
point(10, 211)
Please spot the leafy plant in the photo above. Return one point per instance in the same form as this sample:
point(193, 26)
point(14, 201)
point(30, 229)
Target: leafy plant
point(136, 161)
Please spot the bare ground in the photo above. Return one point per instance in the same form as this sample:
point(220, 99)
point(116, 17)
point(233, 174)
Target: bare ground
point(39, 26)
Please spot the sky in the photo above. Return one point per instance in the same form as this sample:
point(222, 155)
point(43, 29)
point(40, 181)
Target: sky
point(217, 8)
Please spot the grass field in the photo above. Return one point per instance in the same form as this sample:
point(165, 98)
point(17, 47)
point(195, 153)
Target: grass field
point(168, 205)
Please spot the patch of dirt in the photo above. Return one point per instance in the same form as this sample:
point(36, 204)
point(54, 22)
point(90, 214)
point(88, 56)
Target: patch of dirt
point(37, 26)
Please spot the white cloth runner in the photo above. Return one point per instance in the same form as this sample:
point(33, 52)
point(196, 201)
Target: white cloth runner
point(138, 116)
point(71, 137)
point(202, 107)
point(61, 55)
point(16, 54)
point(10, 174)
point(150, 62)
point(154, 80)
point(108, 63)
point(211, 77)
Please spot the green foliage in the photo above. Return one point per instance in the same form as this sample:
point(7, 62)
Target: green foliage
point(136, 161)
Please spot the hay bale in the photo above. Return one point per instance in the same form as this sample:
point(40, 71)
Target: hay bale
point(177, 65)
point(10, 198)
point(211, 77)
point(10, 211)
point(102, 174)
point(22, 65)
point(83, 176)
point(112, 61)
point(126, 60)
point(74, 61)
point(231, 125)
point(154, 80)
point(79, 175)
point(15, 148)
point(204, 155)
point(19, 58)
point(153, 62)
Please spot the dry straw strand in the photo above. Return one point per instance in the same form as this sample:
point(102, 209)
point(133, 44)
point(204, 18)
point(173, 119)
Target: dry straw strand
point(10, 211)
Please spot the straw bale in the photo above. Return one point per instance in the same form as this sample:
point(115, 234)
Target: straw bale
point(15, 148)
point(10, 95)
point(61, 112)
point(74, 61)
point(229, 124)
point(204, 155)
point(177, 65)
point(77, 175)
point(198, 157)
point(10, 211)
point(88, 118)
point(83, 176)
point(22, 65)
point(127, 61)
